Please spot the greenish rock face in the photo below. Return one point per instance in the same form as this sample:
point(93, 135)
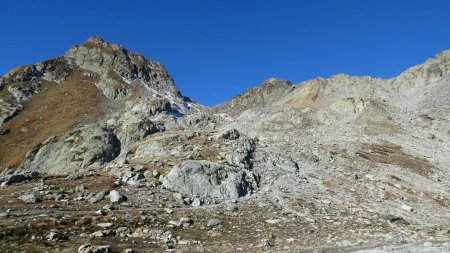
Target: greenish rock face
point(206, 178)
point(134, 128)
point(77, 149)
point(350, 106)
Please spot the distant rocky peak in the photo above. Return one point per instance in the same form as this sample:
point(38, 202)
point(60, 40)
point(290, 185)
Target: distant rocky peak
point(439, 65)
point(119, 70)
point(443, 56)
point(103, 45)
point(270, 90)
point(98, 56)
point(275, 84)
point(96, 40)
point(430, 71)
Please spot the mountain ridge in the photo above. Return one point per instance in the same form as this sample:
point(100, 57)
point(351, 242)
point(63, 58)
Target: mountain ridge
point(103, 137)
point(120, 75)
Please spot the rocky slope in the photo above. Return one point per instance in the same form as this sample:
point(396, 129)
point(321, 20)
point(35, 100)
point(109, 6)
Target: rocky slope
point(91, 82)
point(99, 147)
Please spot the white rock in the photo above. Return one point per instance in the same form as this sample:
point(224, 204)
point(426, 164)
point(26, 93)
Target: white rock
point(115, 197)
point(214, 222)
point(272, 221)
point(407, 208)
point(196, 202)
point(175, 223)
point(30, 198)
point(177, 196)
point(97, 234)
point(105, 225)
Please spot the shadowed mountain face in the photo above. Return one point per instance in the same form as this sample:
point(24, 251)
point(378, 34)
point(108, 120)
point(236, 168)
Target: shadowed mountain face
point(338, 163)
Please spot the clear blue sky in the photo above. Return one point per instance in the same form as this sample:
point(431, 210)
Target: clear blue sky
point(217, 49)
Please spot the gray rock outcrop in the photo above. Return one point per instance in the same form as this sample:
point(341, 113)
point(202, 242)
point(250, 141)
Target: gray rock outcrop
point(32, 198)
point(8, 111)
point(77, 149)
point(231, 134)
point(149, 106)
point(115, 196)
point(23, 92)
point(57, 70)
point(17, 178)
point(151, 148)
point(206, 178)
point(350, 105)
point(135, 127)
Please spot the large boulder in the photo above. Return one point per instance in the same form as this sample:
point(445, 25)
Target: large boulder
point(207, 178)
point(134, 127)
point(16, 178)
point(152, 149)
point(77, 149)
point(269, 160)
point(230, 134)
point(149, 106)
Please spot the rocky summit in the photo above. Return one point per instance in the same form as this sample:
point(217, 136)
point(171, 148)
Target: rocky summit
point(100, 152)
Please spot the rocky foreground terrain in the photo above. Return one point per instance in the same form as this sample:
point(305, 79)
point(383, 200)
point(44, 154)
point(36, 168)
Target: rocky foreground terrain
point(100, 152)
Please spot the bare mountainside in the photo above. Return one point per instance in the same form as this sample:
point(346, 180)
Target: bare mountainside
point(100, 152)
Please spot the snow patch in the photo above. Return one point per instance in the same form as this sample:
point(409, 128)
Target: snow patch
point(124, 79)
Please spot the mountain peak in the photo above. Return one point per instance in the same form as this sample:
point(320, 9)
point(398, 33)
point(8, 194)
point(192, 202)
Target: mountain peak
point(269, 91)
point(277, 83)
point(96, 40)
point(118, 69)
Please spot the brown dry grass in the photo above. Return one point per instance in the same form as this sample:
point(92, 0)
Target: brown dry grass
point(374, 127)
point(351, 191)
point(327, 183)
point(210, 154)
point(389, 153)
point(95, 183)
point(51, 112)
point(442, 202)
point(389, 195)
point(313, 175)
